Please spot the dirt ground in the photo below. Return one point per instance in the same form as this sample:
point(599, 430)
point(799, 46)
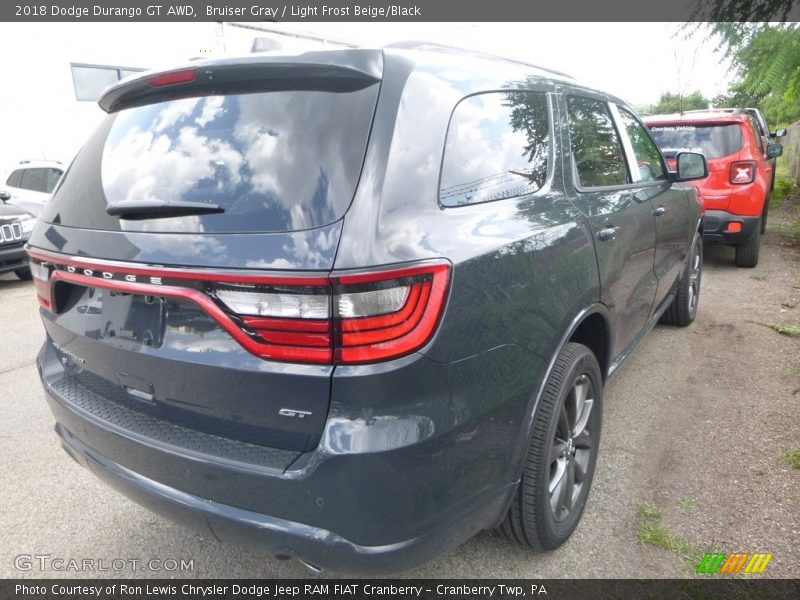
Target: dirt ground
point(694, 424)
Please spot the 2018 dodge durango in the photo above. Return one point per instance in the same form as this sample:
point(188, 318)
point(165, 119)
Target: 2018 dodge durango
point(356, 306)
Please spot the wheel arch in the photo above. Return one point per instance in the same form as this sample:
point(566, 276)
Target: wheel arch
point(584, 326)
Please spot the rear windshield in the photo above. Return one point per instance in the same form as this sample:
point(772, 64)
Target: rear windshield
point(713, 141)
point(274, 161)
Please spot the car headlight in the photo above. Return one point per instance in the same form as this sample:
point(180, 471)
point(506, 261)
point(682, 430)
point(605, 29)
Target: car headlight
point(27, 225)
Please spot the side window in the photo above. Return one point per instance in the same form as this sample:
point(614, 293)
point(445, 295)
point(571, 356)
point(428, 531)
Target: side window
point(756, 133)
point(497, 147)
point(51, 179)
point(15, 178)
point(648, 157)
point(34, 180)
point(596, 146)
point(91, 80)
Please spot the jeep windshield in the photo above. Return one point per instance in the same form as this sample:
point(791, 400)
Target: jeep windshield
point(271, 162)
point(714, 141)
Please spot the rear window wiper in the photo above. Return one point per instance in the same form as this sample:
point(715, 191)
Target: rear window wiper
point(134, 210)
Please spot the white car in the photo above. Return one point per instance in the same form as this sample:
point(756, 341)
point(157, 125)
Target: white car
point(31, 182)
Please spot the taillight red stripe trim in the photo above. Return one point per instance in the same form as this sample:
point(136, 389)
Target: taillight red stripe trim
point(278, 324)
point(337, 340)
point(295, 338)
point(207, 304)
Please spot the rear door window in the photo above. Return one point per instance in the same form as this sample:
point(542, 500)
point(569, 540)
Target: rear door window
point(274, 161)
point(596, 147)
point(51, 179)
point(34, 180)
point(713, 140)
point(497, 148)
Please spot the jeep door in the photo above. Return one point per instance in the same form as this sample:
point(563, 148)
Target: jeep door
point(601, 185)
point(670, 205)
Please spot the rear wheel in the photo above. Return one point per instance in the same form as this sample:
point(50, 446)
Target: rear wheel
point(561, 456)
point(24, 274)
point(683, 308)
point(764, 214)
point(747, 253)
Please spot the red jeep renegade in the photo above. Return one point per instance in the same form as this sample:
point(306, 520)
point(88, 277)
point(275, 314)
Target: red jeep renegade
point(736, 192)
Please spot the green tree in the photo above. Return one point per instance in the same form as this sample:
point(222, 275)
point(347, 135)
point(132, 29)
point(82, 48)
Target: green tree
point(675, 103)
point(740, 11)
point(765, 60)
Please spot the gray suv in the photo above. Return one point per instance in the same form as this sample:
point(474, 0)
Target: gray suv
point(356, 306)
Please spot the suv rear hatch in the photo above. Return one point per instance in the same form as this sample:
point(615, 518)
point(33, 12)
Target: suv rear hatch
point(182, 262)
point(720, 142)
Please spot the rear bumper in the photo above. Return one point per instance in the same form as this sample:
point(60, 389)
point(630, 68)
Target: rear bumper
point(13, 257)
point(716, 222)
point(362, 512)
point(283, 538)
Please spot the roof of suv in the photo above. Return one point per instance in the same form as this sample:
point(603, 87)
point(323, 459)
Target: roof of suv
point(716, 116)
point(37, 164)
point(342, 67)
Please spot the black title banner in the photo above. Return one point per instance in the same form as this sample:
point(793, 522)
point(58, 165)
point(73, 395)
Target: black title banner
point(400, 589)
point(401, 10)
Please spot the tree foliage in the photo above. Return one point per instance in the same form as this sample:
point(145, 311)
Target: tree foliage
point(765, 56)
point(675, 103)
point(741, 11)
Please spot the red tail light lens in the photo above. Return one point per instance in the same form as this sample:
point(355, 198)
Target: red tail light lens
point(339, 319)
point(173, 77)
point(388, 314)
point(743, 172)
point(41, 280)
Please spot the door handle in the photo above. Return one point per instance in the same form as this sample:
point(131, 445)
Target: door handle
point(659, 211)
point(607, 233)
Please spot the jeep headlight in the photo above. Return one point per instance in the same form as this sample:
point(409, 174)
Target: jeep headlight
point(27, 226)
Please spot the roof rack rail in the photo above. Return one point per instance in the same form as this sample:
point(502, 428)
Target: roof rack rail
point(423, 45)
point(728, 110)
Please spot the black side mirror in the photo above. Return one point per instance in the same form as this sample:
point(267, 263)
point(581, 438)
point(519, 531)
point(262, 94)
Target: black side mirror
point(690, 166)
point(774, 150)
point(778, 133)
point(5, 196)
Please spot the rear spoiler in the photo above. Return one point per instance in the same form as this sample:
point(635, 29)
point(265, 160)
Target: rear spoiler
point(330, 71)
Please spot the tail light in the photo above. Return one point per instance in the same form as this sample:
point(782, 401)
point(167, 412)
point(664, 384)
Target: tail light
point(173, 77)
point(344, 318)
point(743, 172)
point(387, 314)
point(41, 280)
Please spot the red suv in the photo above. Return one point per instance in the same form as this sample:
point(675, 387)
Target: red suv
point(735, 194)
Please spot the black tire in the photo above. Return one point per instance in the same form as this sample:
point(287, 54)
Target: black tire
point(747, 253)
point(24, 274)
point(683, 308)
point(764, 214)
point(532, 519)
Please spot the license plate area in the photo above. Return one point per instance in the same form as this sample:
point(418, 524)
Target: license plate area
point(133, 317)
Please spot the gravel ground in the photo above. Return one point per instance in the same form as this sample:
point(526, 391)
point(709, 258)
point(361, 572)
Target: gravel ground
point(694, 423)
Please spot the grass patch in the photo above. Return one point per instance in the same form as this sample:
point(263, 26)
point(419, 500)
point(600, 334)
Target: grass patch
point(784, 187)
point(792, 457)
point(688, 503)
point(785, 329)
point(759, 277)
point(650, 531)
